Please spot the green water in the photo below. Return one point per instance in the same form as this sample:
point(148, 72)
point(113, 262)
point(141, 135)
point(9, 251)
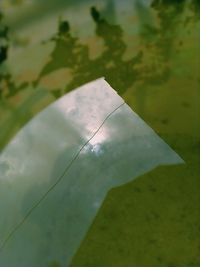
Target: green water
point(155, 220)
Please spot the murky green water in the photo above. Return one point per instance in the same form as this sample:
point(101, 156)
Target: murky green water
point(151, 56)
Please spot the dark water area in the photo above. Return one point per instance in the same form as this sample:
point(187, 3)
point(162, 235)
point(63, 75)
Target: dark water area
point(155, 220)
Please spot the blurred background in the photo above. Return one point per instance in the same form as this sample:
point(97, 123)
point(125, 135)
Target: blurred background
point(149, 52)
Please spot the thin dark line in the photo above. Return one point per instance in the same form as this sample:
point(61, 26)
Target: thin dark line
point(54, 185)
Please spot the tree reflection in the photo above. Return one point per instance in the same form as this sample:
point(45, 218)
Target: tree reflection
point(69, 53)
point(150, 64)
